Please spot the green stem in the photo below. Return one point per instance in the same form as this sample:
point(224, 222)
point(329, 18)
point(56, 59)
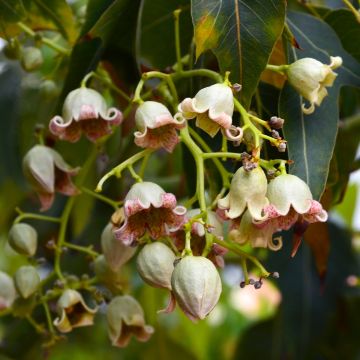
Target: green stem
point(235, 248)
point(86, 250)
point(67, 211)
point(281, 69)
point(260, 121)
point(116, 171)
point(134, 175)
point(114, 204)
point(223, 172)
point(38, 328)
point(352, 9)
point(177, 39)
point(230, 155)
point(245, 270)
point(44, 40)
point(23, 216)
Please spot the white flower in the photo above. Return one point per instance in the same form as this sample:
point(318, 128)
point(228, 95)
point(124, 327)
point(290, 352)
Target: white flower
point(310, 78)
point(247, 189)
point(213, 108)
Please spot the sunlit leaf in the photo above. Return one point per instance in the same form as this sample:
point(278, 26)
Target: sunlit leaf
point(241, 33)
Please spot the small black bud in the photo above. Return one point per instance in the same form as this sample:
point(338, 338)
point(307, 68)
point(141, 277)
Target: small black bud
point(242, 284)
point(257, 285)
point(251, 281)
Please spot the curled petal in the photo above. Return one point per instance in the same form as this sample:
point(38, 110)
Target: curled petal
point(234, 133)
point(308, 110)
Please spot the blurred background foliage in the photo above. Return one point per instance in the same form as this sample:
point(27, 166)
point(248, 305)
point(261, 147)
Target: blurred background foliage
point(310, 312)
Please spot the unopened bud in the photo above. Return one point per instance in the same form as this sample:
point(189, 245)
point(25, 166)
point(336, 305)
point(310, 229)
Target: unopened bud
point(31, 59)
point(27, 281)
point(282, 147)
point(276, 122)
point(236, 87)
point(7, 291)
point(196, 285)
point(155, 264)
point(12, 50)
point(115, 252)
point(113, 280)
point(23, 239)
point(275, 134)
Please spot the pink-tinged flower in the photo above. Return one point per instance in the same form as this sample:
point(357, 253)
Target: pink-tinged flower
point(156, 126)
point(84, 110)
point(48, 173)
point(148, 208)
point(247, 190)
point(198, 242)
point(291, 200)
point(213, 108)
point(257, 235)
point(125, 318)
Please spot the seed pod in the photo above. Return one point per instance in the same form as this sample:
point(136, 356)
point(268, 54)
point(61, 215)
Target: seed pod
point(27, 281)
point(7, 291)
point(155, 264)
point(23, 239)
point(196, 285)
point(31, 59)
point(115, 252)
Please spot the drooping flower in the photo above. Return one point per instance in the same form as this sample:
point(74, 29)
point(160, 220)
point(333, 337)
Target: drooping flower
point(196, 285)
point(310, 78)
point(247, 190)
point(73, 312)
point(213, 108)
point(291, 198)
point(115, 252)
point(244, 231)
point(47, 173)
point(125, 318)
point(198, 241)
point(84, 110)
point(148, 208)
point(156, 126)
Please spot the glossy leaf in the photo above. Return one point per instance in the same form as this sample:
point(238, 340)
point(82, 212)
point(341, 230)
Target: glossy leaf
point(311, 138)
point(347, 28)
point(241, 34)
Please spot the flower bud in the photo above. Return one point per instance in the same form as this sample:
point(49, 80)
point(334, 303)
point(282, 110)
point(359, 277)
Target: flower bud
point(125, 318)
point(7, 291)
point(276, 122)
point(73, 312)
point(12, 50)
point(31, 59)
point(49, 89)
point(196, 285)
point(155, 264)
point(115, 252)
point(23, 239)
point(27, 281)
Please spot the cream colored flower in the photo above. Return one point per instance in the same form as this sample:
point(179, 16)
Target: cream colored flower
point(310, 78)
point(247, 189)
point(73, 312)
point(213, 108)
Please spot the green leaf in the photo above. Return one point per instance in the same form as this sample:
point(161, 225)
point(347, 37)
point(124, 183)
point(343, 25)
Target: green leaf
point(241, 33)
point(347, 28)
point(51, 15)
point(11, 11)
point(156, 17)
point(311, 138)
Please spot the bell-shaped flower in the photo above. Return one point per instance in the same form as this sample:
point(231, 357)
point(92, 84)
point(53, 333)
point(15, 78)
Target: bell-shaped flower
point(291, 198)
point(73, 312)
point(247, 190)
point(84, 111)
point(310, 78)
point(47, 172)
point(213, 108)
point(257, 235)
point(198, 241)
point(156, 126)
point(196, 285)
point(125, 318)
point(148, 208)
